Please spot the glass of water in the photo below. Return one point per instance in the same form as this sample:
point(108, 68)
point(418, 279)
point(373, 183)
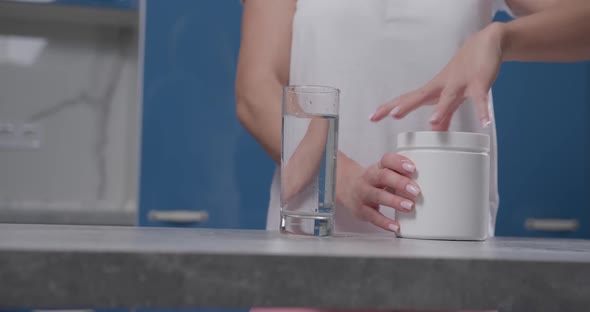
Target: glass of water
point(308, 159)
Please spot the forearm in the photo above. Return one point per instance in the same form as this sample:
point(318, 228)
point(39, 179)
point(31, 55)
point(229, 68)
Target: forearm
point(557, 34)
point(301, 166)
point(263, 69)
point(259, 111)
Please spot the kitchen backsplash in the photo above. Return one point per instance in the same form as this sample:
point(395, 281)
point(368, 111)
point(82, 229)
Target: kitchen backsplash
point(69, 116)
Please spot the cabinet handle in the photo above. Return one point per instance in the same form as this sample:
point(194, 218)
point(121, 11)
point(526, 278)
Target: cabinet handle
point(552, 225)
point(178, 216)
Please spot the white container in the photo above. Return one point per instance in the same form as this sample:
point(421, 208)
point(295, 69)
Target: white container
point(453, 171)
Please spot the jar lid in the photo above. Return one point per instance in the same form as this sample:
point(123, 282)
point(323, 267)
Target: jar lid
point(446, 140)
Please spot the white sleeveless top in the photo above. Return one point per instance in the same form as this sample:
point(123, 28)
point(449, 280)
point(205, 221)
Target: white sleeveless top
point(373, 51)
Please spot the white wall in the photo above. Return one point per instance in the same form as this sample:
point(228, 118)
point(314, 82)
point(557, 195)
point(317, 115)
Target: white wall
point(82, 91)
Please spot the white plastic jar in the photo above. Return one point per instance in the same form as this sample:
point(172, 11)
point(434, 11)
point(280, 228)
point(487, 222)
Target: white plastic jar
point(453, 172)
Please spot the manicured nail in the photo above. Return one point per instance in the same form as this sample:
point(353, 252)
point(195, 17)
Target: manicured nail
point(435, 117)
point(408, 167)
point(412, 189)
point(485, 122)
point(394, 111)
point(406, 204)
point(393, 227)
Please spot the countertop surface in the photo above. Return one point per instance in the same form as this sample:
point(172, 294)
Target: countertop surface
point(92, 266)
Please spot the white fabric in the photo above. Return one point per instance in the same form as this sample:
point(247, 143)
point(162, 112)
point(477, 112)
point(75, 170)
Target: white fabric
point(373, 51)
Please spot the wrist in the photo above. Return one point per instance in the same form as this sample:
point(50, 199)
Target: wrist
point(346, 172)
point(500, 36)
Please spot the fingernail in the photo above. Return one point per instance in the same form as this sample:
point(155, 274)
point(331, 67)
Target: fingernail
point(394, 111)
point(408, 167)
point(406, 204)
point(412, 189)
point(435, 117)
point(485, 122)
point(371, 117)
point(394, 227)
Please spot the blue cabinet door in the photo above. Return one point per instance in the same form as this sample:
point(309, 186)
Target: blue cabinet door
point(195, 154)
point(543, 119)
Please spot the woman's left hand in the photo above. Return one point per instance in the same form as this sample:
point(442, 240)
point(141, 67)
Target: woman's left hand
point(470, 74)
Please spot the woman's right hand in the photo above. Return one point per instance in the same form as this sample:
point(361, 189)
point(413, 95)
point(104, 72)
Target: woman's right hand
point(386, 183)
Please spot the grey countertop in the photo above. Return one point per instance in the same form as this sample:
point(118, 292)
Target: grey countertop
point(85, 266)
point(68, 216)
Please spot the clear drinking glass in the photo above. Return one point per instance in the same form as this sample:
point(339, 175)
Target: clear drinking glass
point(308, 159)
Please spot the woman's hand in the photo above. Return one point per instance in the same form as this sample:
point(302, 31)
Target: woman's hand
point(469, 74)
point(387, 183)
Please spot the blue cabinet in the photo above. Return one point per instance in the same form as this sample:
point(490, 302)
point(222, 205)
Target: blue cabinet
point(543, 119)
point(195, 154)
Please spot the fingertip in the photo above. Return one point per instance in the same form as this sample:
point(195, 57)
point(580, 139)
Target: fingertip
point(395, 112)
point(481, 105)
point(377, 115)
point(442, 126)
point(374, 216)
point(485, 122)
point(408, 166)
point(435, 118)
point(407, 205)
point(438, 128)
point(393, 227)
